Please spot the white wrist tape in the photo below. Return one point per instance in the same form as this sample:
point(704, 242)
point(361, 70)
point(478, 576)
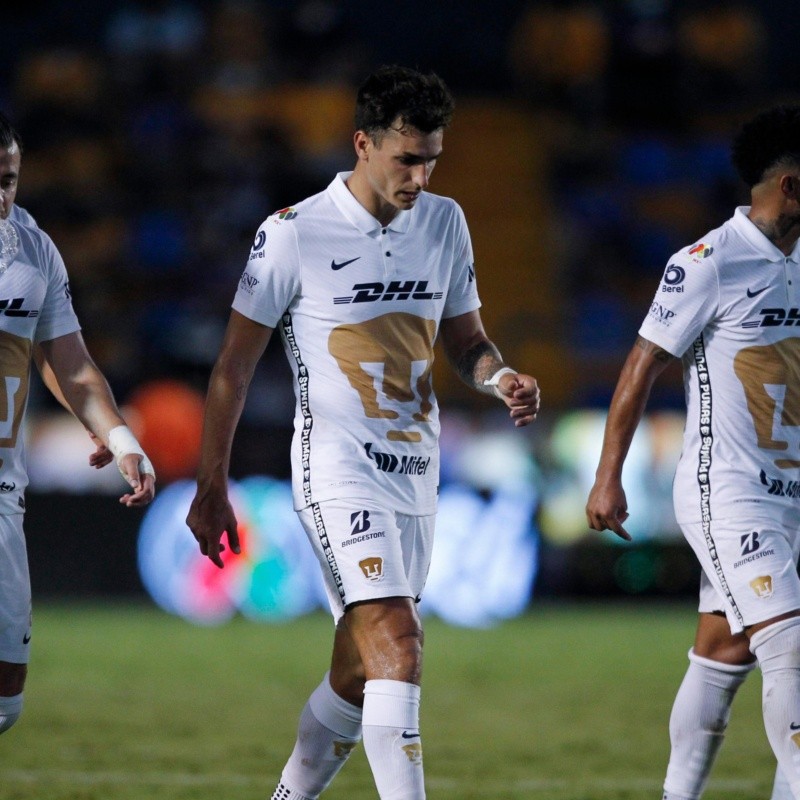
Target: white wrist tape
point(495, 379)
point(121, 442)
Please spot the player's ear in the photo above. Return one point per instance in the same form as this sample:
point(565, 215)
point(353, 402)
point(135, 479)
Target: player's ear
point(790, 186)
point(363, 144)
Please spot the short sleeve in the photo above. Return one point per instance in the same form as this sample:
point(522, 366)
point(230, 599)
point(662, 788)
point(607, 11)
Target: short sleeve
point(462, 293)
point(271, 278)
point(686, 300)
point(57, 316)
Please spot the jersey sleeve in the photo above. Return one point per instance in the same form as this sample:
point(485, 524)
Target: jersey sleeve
point(686, 300)
point(271, 278)
point(57, 316)
point(462, 293)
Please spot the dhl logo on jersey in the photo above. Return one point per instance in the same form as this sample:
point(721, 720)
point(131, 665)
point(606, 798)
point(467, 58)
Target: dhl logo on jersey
point(13, 308)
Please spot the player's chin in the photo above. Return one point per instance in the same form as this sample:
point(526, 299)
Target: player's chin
point(406, 200)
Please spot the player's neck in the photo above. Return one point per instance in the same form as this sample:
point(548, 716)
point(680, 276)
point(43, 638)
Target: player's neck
point(375, 204)
point(781, 229)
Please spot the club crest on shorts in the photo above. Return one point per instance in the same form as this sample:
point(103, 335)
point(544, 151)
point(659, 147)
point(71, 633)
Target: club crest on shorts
point(372, 568)
point(762, 586)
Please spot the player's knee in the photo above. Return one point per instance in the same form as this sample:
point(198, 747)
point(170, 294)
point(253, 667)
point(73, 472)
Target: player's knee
point(12, 678)
point(777, 647)
point(10, 710)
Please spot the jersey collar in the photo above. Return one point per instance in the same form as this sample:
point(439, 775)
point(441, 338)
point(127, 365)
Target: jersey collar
point(745, 226)
point(357, 214)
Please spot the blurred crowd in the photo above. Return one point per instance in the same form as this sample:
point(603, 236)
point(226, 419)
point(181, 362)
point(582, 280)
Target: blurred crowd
point(159, 133)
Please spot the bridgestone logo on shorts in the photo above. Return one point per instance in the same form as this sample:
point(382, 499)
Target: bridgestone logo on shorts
point(363, 538)
point(754, 557)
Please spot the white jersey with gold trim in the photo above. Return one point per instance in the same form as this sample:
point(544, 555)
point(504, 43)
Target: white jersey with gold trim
point(35, 306)
point(729, 306)
point(358, 307)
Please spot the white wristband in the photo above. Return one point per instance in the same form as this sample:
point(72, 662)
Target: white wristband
point(121, 442)
point(495, 379)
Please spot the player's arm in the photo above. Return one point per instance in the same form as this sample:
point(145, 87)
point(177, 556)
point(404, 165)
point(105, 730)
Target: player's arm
point(86, 393)
point(480, 365)
point(211, 513)
point(102, 455)
point(607, 507)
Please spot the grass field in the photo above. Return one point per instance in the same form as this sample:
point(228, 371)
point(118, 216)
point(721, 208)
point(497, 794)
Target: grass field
point(567, 703)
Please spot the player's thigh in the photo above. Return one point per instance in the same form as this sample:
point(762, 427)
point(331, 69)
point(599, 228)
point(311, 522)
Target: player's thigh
point(15, 592)
point(751, 566)
point(366, 551)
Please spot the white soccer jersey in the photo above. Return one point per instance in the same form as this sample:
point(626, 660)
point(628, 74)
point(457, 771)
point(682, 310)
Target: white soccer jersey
point(728, 306)
point(358, 307)
point(35, 306)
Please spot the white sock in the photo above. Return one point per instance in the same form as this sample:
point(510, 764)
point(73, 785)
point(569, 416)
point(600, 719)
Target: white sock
point(329, 729)
point(391, 739)
point(697, 724)
point(777, 648)
point(10, 710)
point(780, 789)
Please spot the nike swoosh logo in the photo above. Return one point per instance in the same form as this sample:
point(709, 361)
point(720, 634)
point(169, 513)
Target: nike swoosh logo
point(794, 726)
point(26, 638)
point(756, 292)
point(341, 264)
point(407, 735)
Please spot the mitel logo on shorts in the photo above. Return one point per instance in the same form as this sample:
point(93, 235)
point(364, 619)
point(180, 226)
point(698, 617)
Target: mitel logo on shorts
point(661, 314)
point(701, 250)
point(13, 308)
point(395, 290)
point(404, 465)
point(248, 282)
point(775, 317)
point(751, 545)
point(673, 278)
point(779, 488)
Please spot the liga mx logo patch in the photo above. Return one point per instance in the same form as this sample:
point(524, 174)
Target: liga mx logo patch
point(701, 250)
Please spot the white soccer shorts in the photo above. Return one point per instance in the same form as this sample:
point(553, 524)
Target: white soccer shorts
point(749, 569)
point(368, 552)
point(15, 591)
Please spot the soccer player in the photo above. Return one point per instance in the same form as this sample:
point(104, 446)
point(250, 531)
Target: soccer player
point(727, 306)
point(37, 322)
point(361, 279)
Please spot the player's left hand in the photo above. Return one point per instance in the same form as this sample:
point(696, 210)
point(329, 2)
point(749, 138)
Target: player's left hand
point(102, 456)
point(521, 394)
point(143, 484)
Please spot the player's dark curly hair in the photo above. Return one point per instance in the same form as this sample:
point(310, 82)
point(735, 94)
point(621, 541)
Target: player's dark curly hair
point(418, 100)
point(769, 139)
point(8, 135)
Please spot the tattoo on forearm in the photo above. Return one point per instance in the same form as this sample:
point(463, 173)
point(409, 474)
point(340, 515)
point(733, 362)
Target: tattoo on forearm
point(658, 353)
point(241, 390)
point(478, 364)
